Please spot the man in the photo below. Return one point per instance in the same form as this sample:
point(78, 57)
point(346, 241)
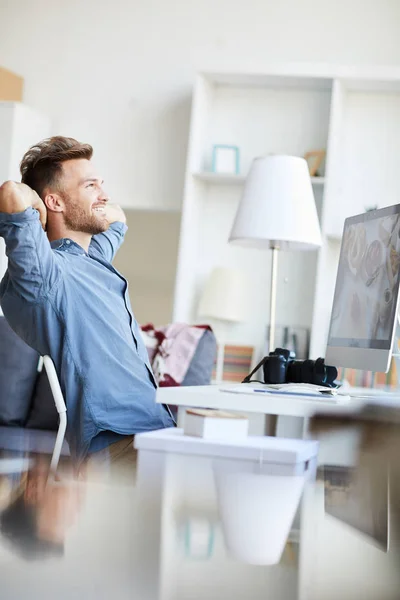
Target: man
point(64, 298)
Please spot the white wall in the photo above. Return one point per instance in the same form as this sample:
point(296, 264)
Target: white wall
point(119, 74)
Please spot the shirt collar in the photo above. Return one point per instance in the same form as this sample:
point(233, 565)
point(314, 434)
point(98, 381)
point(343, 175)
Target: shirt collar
point(67, 245)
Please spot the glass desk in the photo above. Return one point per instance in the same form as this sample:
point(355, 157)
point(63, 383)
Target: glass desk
point(105, 537)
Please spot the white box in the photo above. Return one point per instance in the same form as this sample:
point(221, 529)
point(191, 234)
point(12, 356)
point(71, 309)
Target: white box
point(215, 424)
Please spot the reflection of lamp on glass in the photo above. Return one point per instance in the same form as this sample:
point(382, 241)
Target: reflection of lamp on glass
point(257, 509)
point(223, 302)
point(259, 489)
point(277, 211)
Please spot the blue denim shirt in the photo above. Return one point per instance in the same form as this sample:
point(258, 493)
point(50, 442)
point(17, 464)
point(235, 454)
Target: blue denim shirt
point(74, 306)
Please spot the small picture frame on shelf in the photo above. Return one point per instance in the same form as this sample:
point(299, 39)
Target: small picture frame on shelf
point(314, 160)
point(225, 159)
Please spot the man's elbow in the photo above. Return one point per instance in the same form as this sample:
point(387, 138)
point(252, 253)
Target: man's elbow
point(8, 187)
point(11, 200)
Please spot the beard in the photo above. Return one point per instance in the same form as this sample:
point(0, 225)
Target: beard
point(77, 219)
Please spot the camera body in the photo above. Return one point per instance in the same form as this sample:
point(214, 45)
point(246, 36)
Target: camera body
point(278, 367)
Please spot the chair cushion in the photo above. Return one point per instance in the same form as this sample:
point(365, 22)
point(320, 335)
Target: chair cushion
point(201, 366)
point(18, 371)
point(43, 414)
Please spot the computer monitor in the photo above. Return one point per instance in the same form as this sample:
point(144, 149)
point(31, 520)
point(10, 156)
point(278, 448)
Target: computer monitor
point(365, 304)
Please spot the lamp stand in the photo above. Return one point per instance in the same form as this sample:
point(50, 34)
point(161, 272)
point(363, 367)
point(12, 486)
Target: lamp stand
point(272, 420)
point(272, 312)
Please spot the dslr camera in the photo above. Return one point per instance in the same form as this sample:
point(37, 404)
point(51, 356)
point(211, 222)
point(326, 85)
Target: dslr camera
point(279, 367)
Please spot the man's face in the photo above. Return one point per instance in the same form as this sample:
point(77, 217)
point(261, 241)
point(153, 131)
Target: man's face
point(83, 197)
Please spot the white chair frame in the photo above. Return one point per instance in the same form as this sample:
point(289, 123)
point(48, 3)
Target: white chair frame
point(61, 409)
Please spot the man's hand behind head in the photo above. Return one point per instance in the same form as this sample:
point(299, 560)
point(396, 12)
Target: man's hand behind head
point(17, 197)
point(114, 214)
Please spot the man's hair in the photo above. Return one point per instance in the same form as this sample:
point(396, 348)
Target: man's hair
point(41, 166)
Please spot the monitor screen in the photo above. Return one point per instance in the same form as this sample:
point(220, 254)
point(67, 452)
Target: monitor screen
point(366, 293)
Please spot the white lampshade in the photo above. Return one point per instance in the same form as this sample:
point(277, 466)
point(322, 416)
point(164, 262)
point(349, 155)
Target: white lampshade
point(277, 207)
point(224, 295)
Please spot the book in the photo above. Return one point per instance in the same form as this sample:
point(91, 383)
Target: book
point(215, 424)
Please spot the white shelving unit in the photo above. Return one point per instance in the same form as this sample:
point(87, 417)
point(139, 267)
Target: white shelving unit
point(353, 114)
point(20, 128)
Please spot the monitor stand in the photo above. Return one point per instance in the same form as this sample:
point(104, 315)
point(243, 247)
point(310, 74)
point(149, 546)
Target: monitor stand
point(374, 392)
point(396, 355)
point(396, 349)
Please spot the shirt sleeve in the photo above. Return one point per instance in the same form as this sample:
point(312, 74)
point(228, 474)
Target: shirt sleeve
point(32, 268)
point(108, 242)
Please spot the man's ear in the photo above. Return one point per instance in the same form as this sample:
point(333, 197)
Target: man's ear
point(54, 202)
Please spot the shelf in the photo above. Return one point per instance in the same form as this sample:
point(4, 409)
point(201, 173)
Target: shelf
point(220, 178)
point(228, 179)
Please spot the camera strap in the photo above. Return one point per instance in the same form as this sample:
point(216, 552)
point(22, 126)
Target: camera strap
point(247, 379)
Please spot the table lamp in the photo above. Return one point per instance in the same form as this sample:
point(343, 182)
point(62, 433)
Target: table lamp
point(277, 211)
point(223, 301)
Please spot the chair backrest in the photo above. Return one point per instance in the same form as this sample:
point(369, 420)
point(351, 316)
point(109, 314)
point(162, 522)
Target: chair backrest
point(201, 366)
point(18, 372)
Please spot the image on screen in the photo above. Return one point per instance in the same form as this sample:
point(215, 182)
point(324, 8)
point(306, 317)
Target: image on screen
point(367, 281)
